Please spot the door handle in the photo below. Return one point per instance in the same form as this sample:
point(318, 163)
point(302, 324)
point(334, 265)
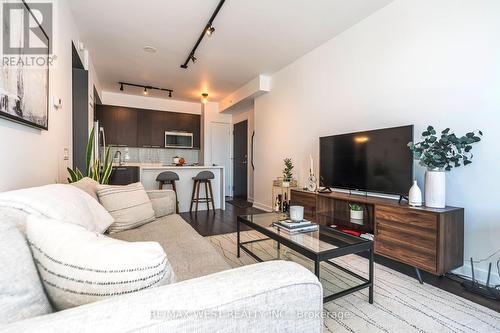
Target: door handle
point(251, 153)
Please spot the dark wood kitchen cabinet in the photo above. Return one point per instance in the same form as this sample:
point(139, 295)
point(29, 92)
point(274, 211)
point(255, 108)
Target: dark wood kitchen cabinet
point(151, 129)
point(124, 175)
point(120, 125)
point(145, 128)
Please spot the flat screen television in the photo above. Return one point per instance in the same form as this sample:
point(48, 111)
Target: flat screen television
point(372, 161)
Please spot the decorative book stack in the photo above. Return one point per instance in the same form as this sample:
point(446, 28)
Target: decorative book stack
point(295, 227)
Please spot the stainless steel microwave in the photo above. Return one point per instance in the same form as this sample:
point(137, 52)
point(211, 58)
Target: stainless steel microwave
point(178, 140)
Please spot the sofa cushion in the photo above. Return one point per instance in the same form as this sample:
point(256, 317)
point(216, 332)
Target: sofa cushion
point(163, 202)
point(79, 267)
point(190, 254)
point(61, 202)
point(129, 205)
point(88, 185)
point(21, 291)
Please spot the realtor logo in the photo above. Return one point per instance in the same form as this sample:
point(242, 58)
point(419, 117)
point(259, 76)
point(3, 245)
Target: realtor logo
point(27, 28)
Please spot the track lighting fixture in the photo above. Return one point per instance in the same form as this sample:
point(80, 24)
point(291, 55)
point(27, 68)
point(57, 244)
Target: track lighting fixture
point(207, 30)
point(210, 31)
point(146, 88)
point(204, 98)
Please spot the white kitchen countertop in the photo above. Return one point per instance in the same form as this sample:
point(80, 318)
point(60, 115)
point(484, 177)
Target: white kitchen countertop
point(159, 166)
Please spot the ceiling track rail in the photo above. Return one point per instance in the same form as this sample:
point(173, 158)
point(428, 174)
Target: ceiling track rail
point(208, 26)
point(170, 91)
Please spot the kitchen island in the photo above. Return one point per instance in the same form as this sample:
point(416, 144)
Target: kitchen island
point(149, 172)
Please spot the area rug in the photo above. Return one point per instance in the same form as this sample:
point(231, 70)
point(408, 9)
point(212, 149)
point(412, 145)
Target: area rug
point(401, 304)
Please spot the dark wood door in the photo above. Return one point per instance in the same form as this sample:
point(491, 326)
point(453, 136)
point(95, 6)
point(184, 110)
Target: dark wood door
point(240, 162)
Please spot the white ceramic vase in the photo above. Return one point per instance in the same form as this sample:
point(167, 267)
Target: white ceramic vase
point(356, 214)
point(435, 189)
point(415, 195)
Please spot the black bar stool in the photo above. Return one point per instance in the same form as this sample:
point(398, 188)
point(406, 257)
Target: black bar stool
point(169, 178)
point(202, 178)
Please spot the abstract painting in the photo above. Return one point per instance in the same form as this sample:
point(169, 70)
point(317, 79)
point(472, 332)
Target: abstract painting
point(24, 78)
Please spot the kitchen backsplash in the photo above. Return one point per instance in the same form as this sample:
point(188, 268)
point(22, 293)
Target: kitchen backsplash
point(155, 155)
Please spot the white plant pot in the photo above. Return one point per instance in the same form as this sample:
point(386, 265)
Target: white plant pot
point(286, 184)
point(356, 214)
point(415, 195)
point(435, 189)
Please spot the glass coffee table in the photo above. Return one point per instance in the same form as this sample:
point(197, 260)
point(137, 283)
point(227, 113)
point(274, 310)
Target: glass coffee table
point(318, 246)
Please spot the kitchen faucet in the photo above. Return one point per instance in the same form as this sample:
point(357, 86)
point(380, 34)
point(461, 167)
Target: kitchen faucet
point(119, 154)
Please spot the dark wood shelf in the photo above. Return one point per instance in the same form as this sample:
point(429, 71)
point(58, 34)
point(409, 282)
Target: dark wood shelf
point(329, 219)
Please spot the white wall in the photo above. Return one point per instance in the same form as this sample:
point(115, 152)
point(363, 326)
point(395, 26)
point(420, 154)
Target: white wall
point(412, 62)
point(210, 115)
point(32, 157)
point(152, 103)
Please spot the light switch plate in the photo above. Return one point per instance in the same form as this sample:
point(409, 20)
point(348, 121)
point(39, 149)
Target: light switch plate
point(57, 102)
point(65, 154)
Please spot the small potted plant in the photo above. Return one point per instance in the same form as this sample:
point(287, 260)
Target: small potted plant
point(287, 172)
point(439, 154)
point(356, 211)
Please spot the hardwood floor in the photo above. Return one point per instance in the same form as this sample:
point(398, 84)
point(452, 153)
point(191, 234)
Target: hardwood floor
point(222, 222)
point(218, 222)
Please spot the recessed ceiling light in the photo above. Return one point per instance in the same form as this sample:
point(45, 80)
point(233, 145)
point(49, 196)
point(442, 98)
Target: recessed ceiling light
point(149, 49)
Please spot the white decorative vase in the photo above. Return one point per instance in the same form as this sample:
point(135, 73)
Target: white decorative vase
point(415, 195)
point(356, 214)
point(285, 184)
point(435, 189)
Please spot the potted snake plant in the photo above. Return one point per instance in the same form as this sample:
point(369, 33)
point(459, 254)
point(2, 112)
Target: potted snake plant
point(100, 171)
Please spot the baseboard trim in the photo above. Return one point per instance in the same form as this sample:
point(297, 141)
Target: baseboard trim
point(263, 207)
point(481, 274)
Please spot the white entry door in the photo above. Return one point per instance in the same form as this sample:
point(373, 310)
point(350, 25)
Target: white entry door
point(221, 151)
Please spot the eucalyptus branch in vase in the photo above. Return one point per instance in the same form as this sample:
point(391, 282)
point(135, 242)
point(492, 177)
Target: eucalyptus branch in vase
point(440, 153)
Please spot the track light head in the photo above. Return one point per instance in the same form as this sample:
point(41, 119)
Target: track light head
point(121, 86)
point(145, 92)
point(193, 58)
point(210, 31)
point(170, 94)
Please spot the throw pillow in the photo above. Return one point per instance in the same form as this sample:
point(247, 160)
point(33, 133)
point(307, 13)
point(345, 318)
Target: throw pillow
point(163, 202)
point(88, 185)
point(79, 267)
point(21, 291)
point(129, 205)
point(60, 202)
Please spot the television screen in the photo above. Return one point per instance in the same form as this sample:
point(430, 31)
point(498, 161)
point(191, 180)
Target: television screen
point(373, 161)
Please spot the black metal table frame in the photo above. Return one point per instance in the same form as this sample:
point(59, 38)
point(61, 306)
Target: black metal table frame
point(317, 258)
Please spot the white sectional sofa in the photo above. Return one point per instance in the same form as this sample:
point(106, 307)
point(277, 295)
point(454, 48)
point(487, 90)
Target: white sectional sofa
point(209, 296)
